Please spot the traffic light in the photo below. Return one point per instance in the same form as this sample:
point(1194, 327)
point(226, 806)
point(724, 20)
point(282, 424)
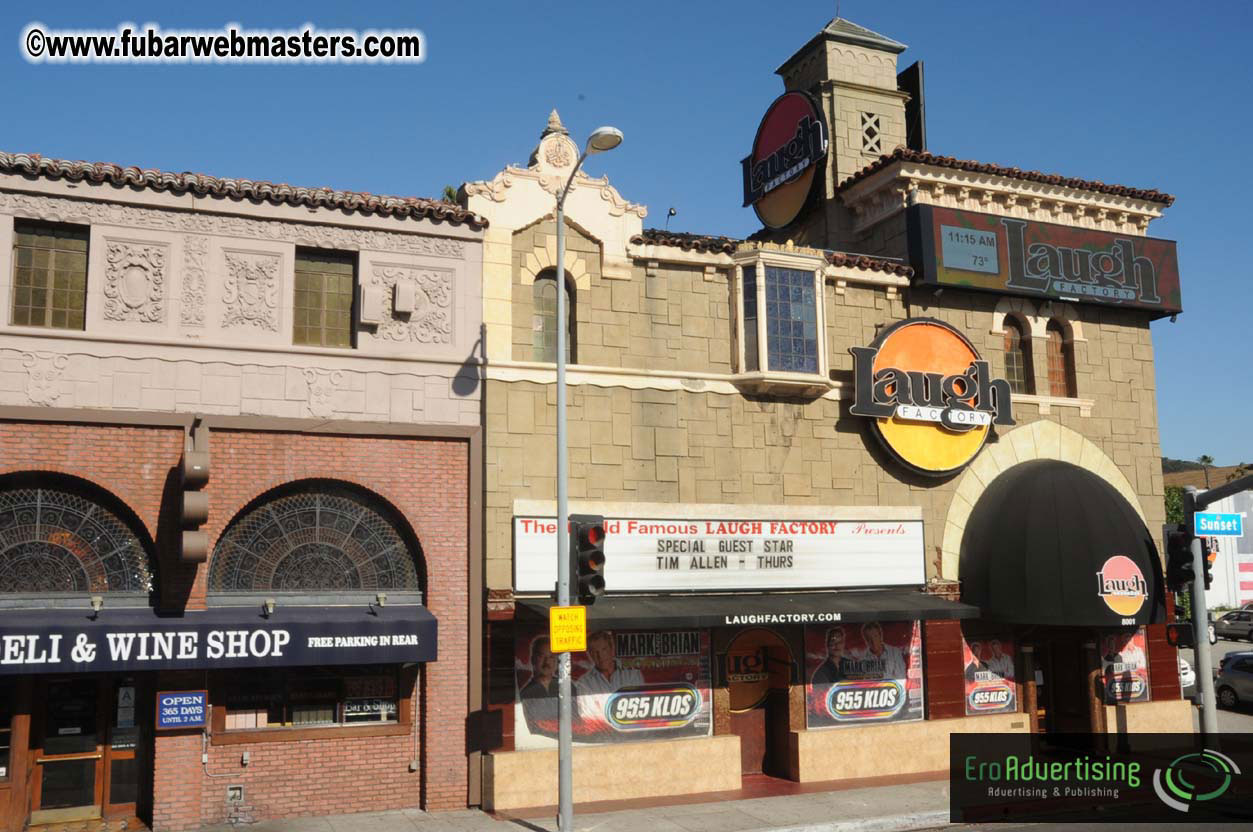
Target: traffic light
point(587, 556)
point(194, 508)
point(1207, 560)
point(1179, 572)
point(1180, 634)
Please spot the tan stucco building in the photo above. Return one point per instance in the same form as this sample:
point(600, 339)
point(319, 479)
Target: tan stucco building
point(711, 382)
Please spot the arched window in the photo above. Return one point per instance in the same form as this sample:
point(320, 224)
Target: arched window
point(544, 321)
point(1061, 363)
point(317, 538)
point(1018, 370)
point(59, 540)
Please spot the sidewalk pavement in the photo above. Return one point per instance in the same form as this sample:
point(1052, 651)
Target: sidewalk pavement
point(878, 809)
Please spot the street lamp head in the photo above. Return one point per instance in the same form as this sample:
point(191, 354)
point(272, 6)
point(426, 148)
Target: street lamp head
point(603, 139)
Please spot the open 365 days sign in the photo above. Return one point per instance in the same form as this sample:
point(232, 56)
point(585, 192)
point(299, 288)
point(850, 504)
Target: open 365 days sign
point(659, 554)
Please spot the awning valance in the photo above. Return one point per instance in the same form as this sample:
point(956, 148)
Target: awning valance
point(739, 609)
point(75, 641)
point(1052, 543)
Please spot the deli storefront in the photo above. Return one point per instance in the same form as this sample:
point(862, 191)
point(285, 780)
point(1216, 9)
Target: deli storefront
point(105, 705)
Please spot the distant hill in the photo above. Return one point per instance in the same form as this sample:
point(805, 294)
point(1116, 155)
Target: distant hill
point(1217, 476)
point(1170, 466)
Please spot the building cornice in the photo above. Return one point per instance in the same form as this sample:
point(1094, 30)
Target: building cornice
point(892, 189)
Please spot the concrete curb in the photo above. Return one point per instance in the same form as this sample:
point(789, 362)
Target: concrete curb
point(915, 820)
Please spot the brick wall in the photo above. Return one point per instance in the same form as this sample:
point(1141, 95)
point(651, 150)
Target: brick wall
point(132, 463)
point(945, 682)
point(312, 777)
point(425, 480)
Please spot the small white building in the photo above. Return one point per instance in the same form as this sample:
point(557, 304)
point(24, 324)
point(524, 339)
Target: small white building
point(1233, 568)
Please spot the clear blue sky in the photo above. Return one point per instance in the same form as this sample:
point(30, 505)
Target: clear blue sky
point(1148, 93)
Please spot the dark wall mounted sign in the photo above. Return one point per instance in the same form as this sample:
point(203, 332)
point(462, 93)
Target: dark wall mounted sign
point(1013, 256)
point(61, 641)
point(182, 709)
point(788, 153)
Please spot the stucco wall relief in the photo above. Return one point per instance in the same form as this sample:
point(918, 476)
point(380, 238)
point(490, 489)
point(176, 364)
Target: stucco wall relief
point(43, 374)
point(430, 320)
point(195, 261)
point(134, 281)
point(250, 290)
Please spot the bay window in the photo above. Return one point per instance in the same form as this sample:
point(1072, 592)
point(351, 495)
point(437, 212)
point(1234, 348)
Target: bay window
point(781, 322)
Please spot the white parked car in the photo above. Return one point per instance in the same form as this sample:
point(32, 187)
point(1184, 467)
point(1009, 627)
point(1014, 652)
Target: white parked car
point(1187, 676)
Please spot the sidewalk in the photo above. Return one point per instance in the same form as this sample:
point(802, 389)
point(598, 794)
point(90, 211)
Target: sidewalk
point(878, 809)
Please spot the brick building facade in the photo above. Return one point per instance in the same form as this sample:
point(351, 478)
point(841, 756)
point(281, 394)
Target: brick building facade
point(688, 424)
point(316, 351)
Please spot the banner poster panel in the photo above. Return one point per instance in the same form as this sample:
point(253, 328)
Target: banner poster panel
point(628, 685)
point(860, 673)
point(1124, 666)
point(990, 683)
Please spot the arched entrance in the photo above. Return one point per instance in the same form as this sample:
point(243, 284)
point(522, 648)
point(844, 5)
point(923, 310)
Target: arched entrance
point(1056, 555)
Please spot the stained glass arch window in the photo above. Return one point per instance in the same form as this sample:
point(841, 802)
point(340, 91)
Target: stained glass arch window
point(315, 538)
point(544, 318)
point(58, 539)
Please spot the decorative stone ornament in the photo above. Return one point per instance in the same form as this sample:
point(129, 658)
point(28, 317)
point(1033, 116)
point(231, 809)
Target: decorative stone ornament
point(134, 282)
point(555, 155)
point(43, 374)
point(195, 254)
point(430, 319)
point(250, 293)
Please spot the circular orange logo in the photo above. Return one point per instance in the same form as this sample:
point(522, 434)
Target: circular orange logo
point(1121, 585)
point(933, 399)
point(749, 667)
point(788, 151)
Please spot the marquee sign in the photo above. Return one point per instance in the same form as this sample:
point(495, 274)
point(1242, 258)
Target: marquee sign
point(788, 152)
point(660, 554)
point(1043, 260)
point(932, 397)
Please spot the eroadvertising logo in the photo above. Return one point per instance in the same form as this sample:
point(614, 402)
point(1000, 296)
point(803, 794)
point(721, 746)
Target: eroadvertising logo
point(788, 150)
point(1100, 777)
point(1178, 788)
point(932, 397)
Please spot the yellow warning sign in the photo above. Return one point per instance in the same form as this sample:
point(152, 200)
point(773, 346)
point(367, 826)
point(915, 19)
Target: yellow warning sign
point(567, 629)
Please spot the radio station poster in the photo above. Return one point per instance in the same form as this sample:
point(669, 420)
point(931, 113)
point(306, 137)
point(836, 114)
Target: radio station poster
point(628, 685)
point(860, 673)
point(990, 682)
point(1125, 666)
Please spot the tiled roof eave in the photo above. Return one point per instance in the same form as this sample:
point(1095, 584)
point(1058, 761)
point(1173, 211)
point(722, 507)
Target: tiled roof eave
point(37, 166)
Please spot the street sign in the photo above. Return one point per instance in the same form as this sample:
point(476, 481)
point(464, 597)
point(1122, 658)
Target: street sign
point(567, 629)
point(1213, 524)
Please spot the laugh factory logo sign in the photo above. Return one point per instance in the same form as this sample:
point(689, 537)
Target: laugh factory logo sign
point(1121, 585)
point(932, 397)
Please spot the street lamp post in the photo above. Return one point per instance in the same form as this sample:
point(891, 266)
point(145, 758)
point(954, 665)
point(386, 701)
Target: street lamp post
point(602, 139)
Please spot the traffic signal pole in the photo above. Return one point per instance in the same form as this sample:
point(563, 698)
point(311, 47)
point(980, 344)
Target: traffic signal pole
point(1194, 501)
point(1200, 623)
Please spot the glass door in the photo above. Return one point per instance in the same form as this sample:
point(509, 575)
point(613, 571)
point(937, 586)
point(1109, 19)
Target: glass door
point(69, 753)
point(129, 702)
